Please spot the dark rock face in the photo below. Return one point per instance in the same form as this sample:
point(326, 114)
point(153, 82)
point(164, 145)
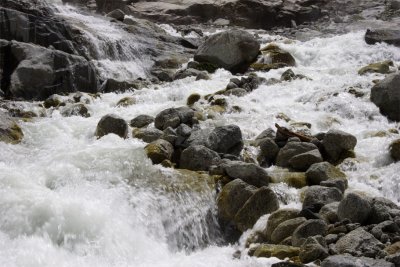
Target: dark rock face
point(386, 95)
point(34, 72)
point(173, 117)
point(112, 124)
point(355, 208)
point(226, 139)
point(389, 36)
point(198, 158)
point(232, 50)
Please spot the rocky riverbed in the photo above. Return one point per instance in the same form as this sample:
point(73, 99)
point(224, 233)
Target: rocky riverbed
point(194, 133)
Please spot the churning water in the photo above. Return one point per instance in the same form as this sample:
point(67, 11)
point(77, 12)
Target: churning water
point(69, 199)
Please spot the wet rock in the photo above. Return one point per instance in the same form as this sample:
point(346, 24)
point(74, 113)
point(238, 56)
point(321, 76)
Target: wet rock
point(302, 162)
point(77, 109)
point(312, 250)
point(350, 261)
point(117, 14)
point(248, 172)
point(263, 201)
point(141, 121)
point(355, 208)
point(182, 74)
point(384, 231)
point(320, 195)
point(203, 76)
point(381, 210)
point(198, 158)
point(336, 143)
point(268, 150)
point(329, 212)
point(126, 101)
point(395, 150)
point(112, 85)
point(389, 36)
point(159, 150)
point(173, 117)
point(395, 259)
point(308, 229)
point(273, 57)
point(292, 149)
point(235, 92)
point(53, 101)
point(112, 124)
point(193, 98)
point(147, 135)
point(289, 75)
point(226, 139)
point(359, 242)
point(340, 184)
point(324, 171)
point(379, 67)
point(233, 50)
point(286, 229)
point(10, 131)
point(386, 95)
point(278, 251)
point(278, 217)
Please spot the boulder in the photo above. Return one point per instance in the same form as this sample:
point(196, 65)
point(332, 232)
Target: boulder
point(355, 208)
point(312, 250)
point(395, 150)
point(336, 143)
point(36, 72)
point(386, 95)
point(117, 14)
point(359, 241)
point(263, 201)
point(268, 150)
point(350, 261)
point(273, 57)
point(381, 210)
point(308, 229)
point(77, 109)
point(126, 101)
point(278, 251)
point(286, 229)
point(233, 50)
point(112, 124)
point(389, 36)
point(226, 139)
point(198, 158)
point(292, 149)
point(193, 98)
point(302, 162)
point(248, 172)
point(173, 117)
point(231, 198)
point(329, 212)
point(319, 196)
point(159, 150)
point(10, 131)
point(141, 121)
point(323, 171)
point(147, 135)
point(379, 67)
point(278, 217)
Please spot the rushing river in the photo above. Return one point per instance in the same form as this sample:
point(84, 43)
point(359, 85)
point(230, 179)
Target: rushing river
point(69, 199)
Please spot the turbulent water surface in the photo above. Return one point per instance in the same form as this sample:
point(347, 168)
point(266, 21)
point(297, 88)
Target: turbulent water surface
point(69, 199)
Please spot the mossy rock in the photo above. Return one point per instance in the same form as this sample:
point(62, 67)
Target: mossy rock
point(193, 98)
point(293, 179)
point(395, 150)
point(268, 67)
point(159, 150)
point(379, 67)
point(10, 132)
point(206, 66)
point(126, 102)
point(279, 251)
point(277, 55)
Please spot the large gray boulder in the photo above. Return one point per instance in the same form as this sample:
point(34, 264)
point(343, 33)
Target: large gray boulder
point(292, 149)
point(233, 50)
point(323, 171)
point(355, 208)
point(336, 143)
point(112, 124)
point(389, 36)
point(198, 158)
point(386, 95)
point(173, 117)
point(308, 229)
point(319, 196)
point(226, 139)
point(350, 261)
point(359, 241)
point(304, 160)
point(248, 172)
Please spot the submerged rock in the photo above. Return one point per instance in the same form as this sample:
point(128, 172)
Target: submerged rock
point(379, 67)
point(233, 50)
point(112, 124)
point(273, 57)
point(10, 132)
point(386, 95)
point(395, 150)
point(77, 109)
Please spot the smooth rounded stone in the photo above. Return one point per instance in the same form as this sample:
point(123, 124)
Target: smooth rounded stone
point(355, 208)
point(173, 117)
point(379, 67)
point(358, 241)
point(147, 135)
point(267, 133)
point(236, 92)
point(10, 131)
point(226, 139)
point(350, 261)
point(232, 197)
point(112, 124)
point(389, 36)
point(126, 101)
point(286, 229)
point(77, 109)
point(329, 212)
point(159, 150)
point(386, 95)
point(303, 161)
point(232, 85)
point(312, 250)
point(248, 172)
point(268, 149)
point(273, 57)
point(320, 195)
point(290, 150)
point(381, 210)
point(308, 229)
point(117, 14)
point(278, 251)
point(263, 201)
point(233, 50)
point(141, 121)
point(278, 217)
point(323, 171)
point(198, 158)
point(336, 142)
point(395, 150)
point(193, 98)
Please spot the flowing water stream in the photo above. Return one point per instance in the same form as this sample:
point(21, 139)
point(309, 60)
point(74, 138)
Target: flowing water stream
point(69, 199)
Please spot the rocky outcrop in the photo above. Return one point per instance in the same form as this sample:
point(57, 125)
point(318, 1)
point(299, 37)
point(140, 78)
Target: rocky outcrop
point(386, 95)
